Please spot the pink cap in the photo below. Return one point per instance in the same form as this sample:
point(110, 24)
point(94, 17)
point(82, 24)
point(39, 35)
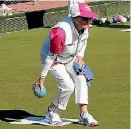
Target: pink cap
point(83, 10)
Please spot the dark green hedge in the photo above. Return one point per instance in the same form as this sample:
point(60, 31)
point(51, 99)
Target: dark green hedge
point(49, 17)
point(15, 15)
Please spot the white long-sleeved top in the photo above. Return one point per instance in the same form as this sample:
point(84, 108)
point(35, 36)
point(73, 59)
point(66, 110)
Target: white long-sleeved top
point(74, 45)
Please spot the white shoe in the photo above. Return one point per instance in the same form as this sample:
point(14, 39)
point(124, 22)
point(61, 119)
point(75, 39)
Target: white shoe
point(87, 119)
point(53, 116)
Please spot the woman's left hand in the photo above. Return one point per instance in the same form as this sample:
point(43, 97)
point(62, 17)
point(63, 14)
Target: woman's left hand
point(80, 60)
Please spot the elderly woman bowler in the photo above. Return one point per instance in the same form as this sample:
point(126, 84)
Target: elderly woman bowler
point(65, 45)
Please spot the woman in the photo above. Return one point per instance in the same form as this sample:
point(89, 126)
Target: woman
point(65, 45)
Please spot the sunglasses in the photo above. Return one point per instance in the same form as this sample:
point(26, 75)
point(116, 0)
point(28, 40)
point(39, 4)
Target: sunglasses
point(86, 19)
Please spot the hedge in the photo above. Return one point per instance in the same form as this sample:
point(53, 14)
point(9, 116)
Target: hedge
point(49, 17)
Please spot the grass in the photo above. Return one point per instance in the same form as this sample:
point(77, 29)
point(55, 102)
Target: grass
point(107, 54)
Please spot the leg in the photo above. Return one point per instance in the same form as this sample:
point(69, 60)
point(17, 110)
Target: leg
point(65, 86)
point(65, 89)
point(81, 88)
point(81, 96)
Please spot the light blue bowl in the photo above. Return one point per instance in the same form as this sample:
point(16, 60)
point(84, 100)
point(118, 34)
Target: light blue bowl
point(40, 93)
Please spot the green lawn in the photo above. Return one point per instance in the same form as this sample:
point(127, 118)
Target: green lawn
point(107, 54)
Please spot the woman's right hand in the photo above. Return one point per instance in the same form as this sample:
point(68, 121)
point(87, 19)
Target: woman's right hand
point(39, 82)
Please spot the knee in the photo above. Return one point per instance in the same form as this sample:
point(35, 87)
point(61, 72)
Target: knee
point(70, 88)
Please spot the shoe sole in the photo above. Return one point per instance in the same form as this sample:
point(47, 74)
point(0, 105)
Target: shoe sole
point(90, 125)
point(93, 125)
point(53, 122)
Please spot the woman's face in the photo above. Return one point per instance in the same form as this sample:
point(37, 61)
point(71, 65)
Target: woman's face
point(81, 23)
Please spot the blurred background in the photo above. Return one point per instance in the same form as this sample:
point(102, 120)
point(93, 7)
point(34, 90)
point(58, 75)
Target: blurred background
point(17, 15)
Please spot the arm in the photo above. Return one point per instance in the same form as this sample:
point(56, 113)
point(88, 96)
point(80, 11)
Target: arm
point(57, 36)
point(80, 55)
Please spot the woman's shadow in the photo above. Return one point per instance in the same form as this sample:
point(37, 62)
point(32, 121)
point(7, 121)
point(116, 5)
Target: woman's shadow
point(12, 115)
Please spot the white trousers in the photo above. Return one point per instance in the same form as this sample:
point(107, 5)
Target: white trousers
point(68, 82)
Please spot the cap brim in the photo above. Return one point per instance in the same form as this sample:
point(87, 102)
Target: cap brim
point(88, 14)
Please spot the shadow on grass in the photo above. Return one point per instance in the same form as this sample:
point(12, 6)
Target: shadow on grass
point(11, 115)
point(18, 115)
